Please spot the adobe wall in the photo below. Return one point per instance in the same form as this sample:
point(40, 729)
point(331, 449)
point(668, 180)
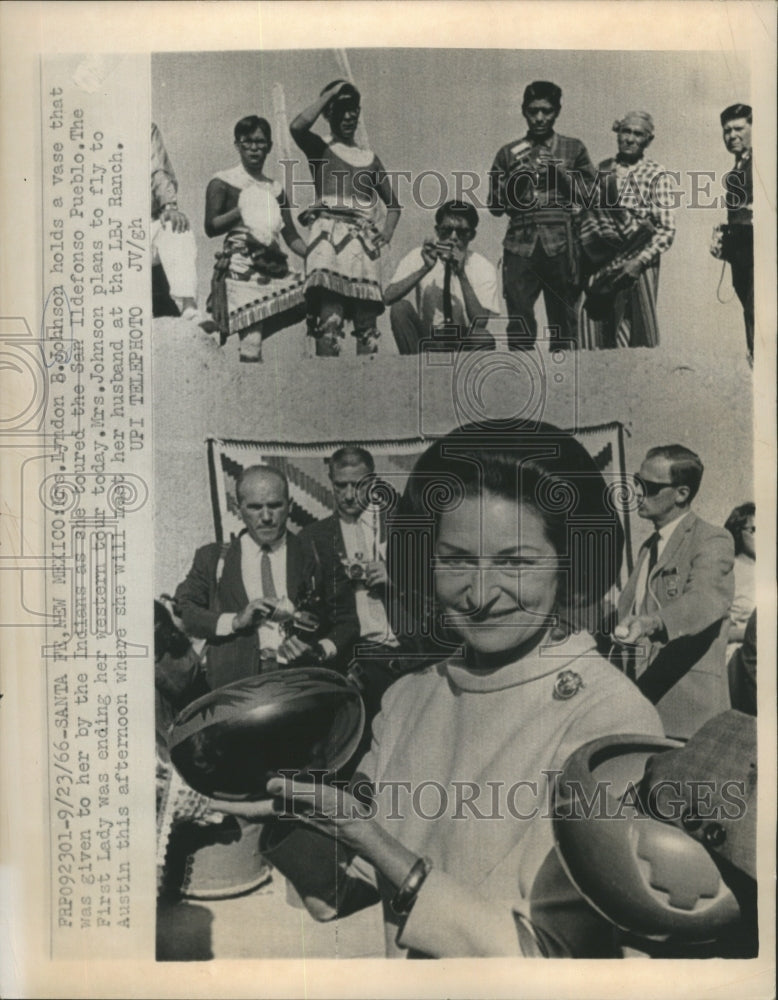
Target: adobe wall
point(661, 396)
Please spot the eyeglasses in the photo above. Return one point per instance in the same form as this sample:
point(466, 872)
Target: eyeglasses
point(648, 487)
point(253, 143)
point(462, 232)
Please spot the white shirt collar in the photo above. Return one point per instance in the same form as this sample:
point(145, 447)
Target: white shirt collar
point(275, 546)
point(667, 529)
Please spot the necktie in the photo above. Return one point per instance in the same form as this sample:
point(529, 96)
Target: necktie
point(652, 547)
point(266, 575)
point(653, 550)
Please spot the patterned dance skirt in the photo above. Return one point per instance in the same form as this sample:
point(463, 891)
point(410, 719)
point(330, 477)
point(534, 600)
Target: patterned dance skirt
point(245, 293)
point(342, 258)
point(251, 302)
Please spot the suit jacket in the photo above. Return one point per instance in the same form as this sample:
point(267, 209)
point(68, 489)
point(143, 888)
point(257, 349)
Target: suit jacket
point(202, 600)
point(690, 589)
point(324, 540)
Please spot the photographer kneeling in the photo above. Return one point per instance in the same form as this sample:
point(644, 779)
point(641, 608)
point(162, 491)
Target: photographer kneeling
point(453, 285)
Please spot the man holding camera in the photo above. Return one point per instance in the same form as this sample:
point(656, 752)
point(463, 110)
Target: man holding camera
point(355, 537)
point(736, 239)
point(536, 181)
point(264, 600)
point(453, 286)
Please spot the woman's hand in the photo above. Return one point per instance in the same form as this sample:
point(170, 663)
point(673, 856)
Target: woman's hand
point(336, 813)
point(263, 809)
point(331, 810)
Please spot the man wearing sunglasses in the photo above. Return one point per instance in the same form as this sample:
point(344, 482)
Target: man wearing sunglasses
point(452, 285)
point(673, 612)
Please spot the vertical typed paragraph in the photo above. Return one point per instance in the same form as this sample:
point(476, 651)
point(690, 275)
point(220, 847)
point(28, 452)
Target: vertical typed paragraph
point(95, 492)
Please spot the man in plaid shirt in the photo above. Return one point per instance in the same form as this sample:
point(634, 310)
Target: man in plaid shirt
point(643, 189)
point(536, 181)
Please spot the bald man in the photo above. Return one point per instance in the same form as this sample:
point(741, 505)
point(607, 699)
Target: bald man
point(232, 594)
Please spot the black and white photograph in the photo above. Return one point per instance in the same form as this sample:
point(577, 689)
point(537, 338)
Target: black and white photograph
point(375, 226)
point(392, 394)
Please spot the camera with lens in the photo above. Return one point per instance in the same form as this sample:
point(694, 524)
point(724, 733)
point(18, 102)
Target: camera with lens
point(443, 249)
point(356, 568)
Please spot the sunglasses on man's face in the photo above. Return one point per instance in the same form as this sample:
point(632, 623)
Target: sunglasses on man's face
point(648, 487)
point(446, 232)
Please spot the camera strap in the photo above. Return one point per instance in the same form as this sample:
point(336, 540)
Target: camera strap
point(718, 287)
point(448, 307)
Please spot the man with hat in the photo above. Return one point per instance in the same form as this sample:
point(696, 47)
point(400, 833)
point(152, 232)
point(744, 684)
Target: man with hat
point(737, 237)
point(641, 187)
point(535, 181)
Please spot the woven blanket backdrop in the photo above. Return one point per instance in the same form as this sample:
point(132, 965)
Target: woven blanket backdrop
point(305, 467)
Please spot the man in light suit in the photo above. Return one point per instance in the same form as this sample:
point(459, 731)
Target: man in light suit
point(673, 610)
point(236, 598)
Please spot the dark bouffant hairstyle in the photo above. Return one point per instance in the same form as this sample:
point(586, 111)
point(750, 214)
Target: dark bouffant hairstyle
point(531, 463)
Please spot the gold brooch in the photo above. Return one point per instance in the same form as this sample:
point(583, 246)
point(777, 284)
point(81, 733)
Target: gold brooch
point(567, 684)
